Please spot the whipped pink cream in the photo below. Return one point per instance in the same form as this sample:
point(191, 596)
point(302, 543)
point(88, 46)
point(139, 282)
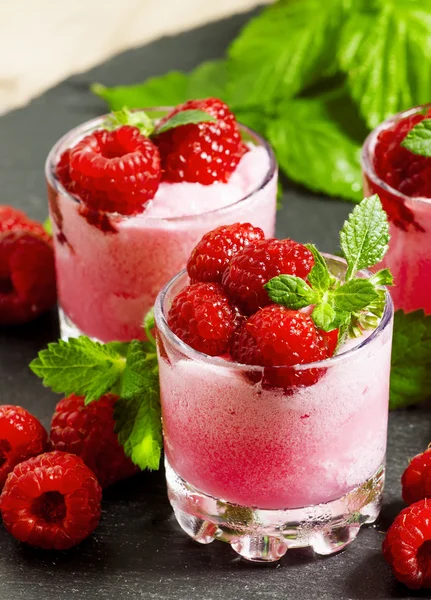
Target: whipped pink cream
point(108, 281)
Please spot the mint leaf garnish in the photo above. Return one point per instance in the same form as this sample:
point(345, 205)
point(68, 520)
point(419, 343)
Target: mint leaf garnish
point(411, 359)
point(365, 235)
point(79, 366)
point(324, 316)
point(382, 277)
point(137, 412)
point(418, 139)
point(47, 225)
point(137, 118)
point(291, 291)
point(185, 117)
point(319, 276)
point(149, 324)
point(354, 295)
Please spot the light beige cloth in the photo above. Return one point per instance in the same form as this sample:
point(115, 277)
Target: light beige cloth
point(44, 41)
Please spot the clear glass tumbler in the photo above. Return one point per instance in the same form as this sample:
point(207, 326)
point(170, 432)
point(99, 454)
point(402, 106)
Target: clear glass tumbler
point(266, 470)
point(108, 276)
point(409, 255)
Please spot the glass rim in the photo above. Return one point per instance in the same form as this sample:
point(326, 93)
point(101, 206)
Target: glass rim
point(367, 153)
point(77, 133)
point(162, 325)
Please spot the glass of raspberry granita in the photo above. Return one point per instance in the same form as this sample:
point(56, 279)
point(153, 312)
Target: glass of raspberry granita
point(403, 182)
point(266, 457)
point(128, 207)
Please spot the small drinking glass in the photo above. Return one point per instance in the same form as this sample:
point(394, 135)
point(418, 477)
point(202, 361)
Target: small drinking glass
point(111, 268)
point(267, 469)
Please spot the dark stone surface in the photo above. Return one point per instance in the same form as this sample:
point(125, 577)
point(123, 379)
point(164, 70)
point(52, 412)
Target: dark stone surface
point(138, 551)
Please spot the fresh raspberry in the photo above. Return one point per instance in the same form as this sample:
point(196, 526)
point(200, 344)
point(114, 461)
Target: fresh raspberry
point(407, 546)
point(416, 479)
point(88, 431)
point(51, 501)
point(203, 317)
point(201, 152)
point(27, 272)
point(256, 264)
point(112, 171)
point(211, 256)
point(21, 436)
point(276, 336)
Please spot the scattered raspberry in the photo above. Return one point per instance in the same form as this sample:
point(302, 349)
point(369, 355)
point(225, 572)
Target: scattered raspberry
point(212, 255)
point(112, 171)
point(51, 501)
point(416, 479)
point(21, 436)
point(88, 431)
point(27, 273)
point(203, 317)
point(256, 264)
point(407, 546)
point(201, 152)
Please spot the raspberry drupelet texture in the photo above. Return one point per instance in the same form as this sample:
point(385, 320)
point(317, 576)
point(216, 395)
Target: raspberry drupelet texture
point(21, 437)
point(256, 264)
point(27, 272)
point(407, 546)
point(112, 171)
point(416, 479)
point(204, 152)
point(210, 258)
point(276, 336)
point(88, 431)
point(51, 501)
point(203, 317)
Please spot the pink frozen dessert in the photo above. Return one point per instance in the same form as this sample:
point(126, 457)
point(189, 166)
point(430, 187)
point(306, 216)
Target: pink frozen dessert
point(130, 197)
point(274, 374)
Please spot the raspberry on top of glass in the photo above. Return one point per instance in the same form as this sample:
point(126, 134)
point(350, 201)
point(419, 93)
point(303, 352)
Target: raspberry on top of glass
point(145, 191)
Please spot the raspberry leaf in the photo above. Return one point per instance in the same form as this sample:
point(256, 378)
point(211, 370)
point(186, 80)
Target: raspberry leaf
point(291, 291)
point(319, 276)
point(365, 236)
point(137, 118)
point(185, 117)
point(418, 139)
point(137, 412)
point(411, 359)
point(79, 366)
point(354, 295)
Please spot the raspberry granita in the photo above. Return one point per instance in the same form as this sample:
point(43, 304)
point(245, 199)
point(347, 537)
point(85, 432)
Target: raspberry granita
point(402, 180)
point(274, 428)
point(128, 208)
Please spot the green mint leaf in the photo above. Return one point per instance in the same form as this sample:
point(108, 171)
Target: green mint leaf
point(47, 225)
point(185, 117)
point(418, 139)
point(365, 235)
point(137, 412)
point(319, 276)
point(385, 50)
point(382, 277)
point(284, 49)
point(354, 295)
point(291, 291)
point(411, 359)
point(323, 315)
point(79, 366)
point(137, 118)
point(315, 148)
point(149, 324)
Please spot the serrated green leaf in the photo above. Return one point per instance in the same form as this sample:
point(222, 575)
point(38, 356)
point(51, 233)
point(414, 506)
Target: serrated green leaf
point(385, 50)
point(185, 117)
point(79, 366)
point(284, 49)
point(137, 412)
point(291, 291)
point(365, 235)
point(137, 118)
point(411, 359)
point(209, 79)
point(319, 276)
point(323, 315)
point(313, 148)
point(354, 295)
point(418, 139)
point(382, 277)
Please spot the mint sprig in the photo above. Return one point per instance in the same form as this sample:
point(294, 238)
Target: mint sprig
point(355, 303)
point(87, 368)
point(418, 139)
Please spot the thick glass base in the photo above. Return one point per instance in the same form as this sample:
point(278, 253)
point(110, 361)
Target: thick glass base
point(68, 329)
point(266, 535)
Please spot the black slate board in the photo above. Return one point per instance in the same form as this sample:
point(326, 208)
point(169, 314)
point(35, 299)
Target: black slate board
point(138, 551)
